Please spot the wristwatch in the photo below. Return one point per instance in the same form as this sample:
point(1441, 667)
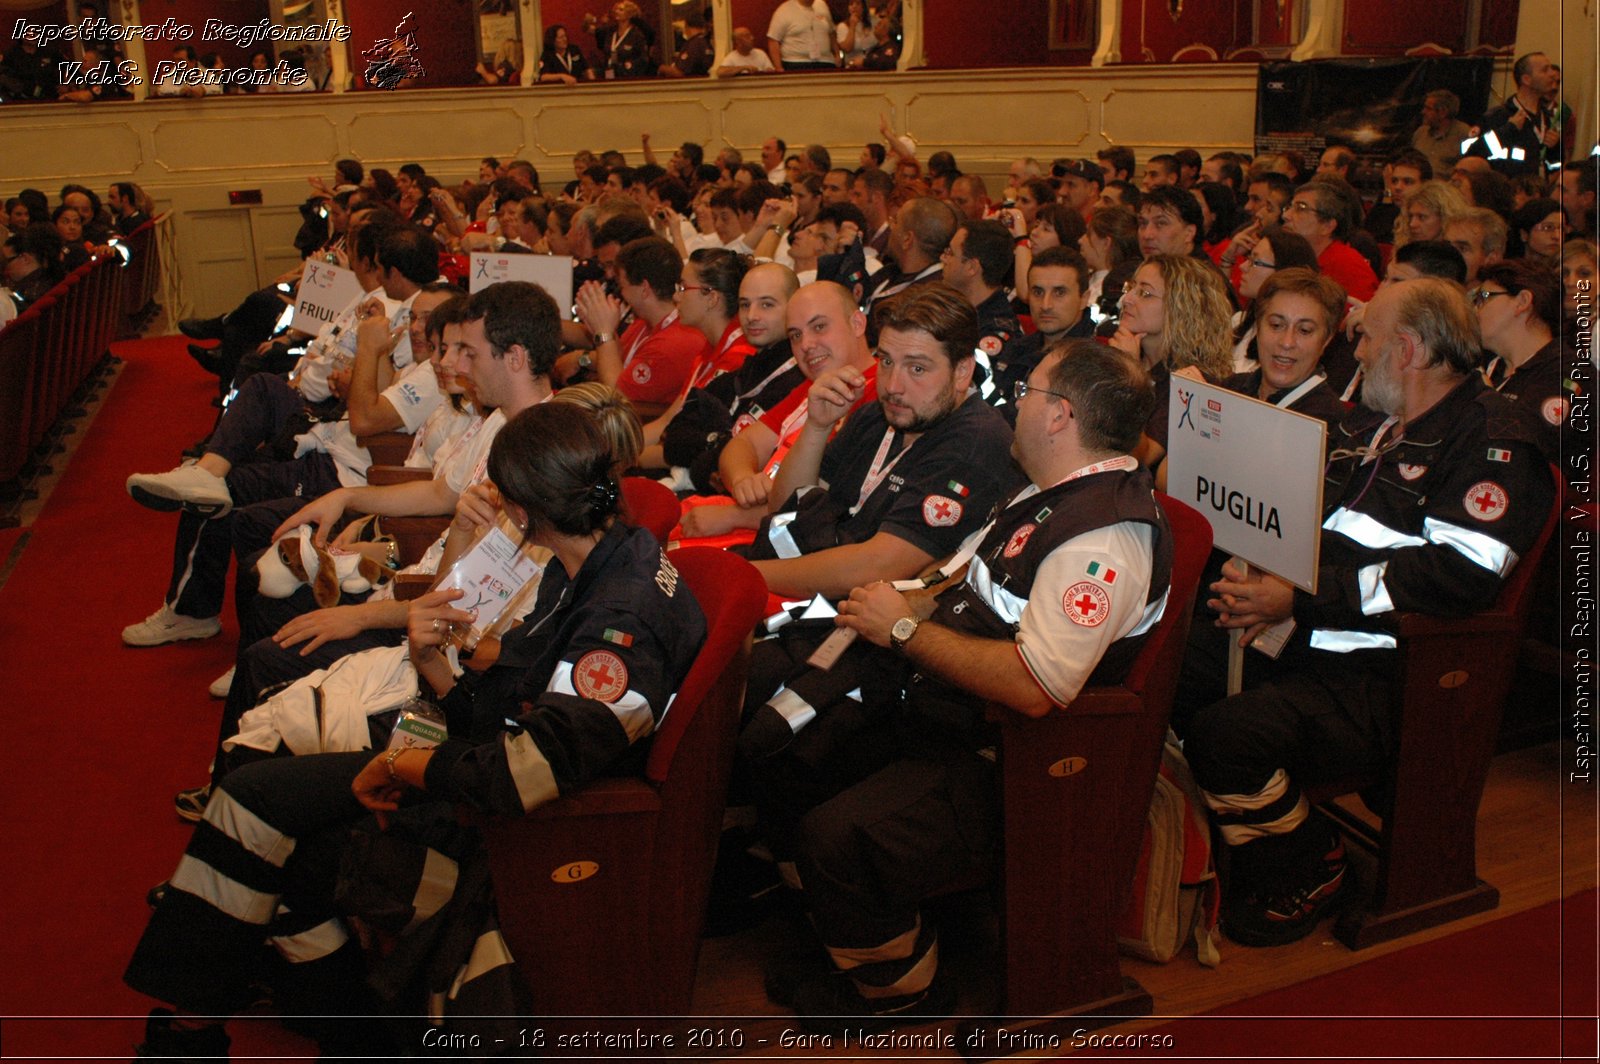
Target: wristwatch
point(584, 361)
point(603, 338)
point(903, 630)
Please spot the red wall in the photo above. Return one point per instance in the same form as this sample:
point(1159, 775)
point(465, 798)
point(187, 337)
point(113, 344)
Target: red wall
point(1150, 34)
point(758, 13)
point(447, 37)
point(1008, 35)
point(52, 15)
point(1376, 27)
point(194, 13)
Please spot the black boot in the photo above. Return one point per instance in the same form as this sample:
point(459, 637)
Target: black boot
point(201, 328)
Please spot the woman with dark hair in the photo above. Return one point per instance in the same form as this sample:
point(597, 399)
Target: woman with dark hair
point(1220, 209)
point(708, 300)
point(1296, 314)
point(1277, 249)
point(1110, 239)
point(1032, 195)
point(384, 188)
point(1540, 223)
point(562, 61)
point(574, 692)
point(1054, 226)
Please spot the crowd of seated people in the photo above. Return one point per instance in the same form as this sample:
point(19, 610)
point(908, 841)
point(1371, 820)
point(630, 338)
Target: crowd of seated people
point(41, 244)
point(893, 391)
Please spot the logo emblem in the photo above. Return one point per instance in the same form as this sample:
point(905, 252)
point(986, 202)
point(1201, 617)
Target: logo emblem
point(1554, 410)
point(600, 675)
point(641, 373)
point(1018, 540)
point(1087, 604)
point(990, 345)
point(940, 512)
point(1486, 500)
point(1411, 472)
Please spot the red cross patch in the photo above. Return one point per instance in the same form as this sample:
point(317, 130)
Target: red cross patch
point(940, 512)
point(600, 675)
point(641, 373)
point(1087, 603)
point(1486, 500)
point(1554, 410)
point(990, 345)
point(1411, 472)
point(1019, 539)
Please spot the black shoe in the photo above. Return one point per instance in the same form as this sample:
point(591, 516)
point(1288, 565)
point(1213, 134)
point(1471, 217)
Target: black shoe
point(207, 358)
point(162, 1041)
point(1287, 905)
point(190, 803)
point(833, 1006)
point(201, 328)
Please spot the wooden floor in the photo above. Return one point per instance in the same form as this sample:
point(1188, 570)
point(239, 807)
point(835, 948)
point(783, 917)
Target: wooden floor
point(1529, 846)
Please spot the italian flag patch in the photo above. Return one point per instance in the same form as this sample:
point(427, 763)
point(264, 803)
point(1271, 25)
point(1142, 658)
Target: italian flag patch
point(1496, 454)
point(1100, 572)
point(622, 639)
point(959, 488)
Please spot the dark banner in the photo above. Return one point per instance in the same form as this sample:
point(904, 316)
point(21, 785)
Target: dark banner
point(1372, 105)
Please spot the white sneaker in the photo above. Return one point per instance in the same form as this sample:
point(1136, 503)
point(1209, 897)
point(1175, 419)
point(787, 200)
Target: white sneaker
point(164, 626)
point(222, 685)
point(187, 487)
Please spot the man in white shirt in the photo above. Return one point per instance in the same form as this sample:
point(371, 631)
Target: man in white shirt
point(745, 57)
point(800, 37)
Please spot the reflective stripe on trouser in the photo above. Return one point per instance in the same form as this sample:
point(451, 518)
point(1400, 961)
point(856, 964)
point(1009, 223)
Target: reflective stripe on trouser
point(869, 855)
point(271, 839)
point(1276, 809)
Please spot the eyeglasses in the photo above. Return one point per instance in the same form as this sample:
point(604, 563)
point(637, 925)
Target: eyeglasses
point(1264, 264)
point(1022, 388)
point(1547, 227)
point(695, 287)
point(1302, 205)
point(1483, 295)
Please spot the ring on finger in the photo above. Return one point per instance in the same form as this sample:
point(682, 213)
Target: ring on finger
point(436, 624)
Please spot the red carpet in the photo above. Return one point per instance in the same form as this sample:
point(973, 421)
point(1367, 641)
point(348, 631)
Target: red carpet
point(101, 735)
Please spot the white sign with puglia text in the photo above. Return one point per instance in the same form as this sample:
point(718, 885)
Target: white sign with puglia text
point(325, 290)
point(1254, 471)
point(553, 273)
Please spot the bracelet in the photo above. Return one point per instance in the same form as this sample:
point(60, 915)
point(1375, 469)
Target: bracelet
point(388, 763)
point(603, 338)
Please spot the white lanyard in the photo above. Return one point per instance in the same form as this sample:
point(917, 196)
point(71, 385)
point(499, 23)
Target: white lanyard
point(1305, 386)
point(791, 426)
point(565, 59)
point(774, 375)
point(878, 471)
point(708, 369)
point(645, 334)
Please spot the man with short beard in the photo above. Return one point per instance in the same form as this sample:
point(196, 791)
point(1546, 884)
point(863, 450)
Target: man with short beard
point(1432, 494)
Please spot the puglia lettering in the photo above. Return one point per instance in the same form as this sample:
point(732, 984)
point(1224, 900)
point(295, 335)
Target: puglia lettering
point(1238, 506)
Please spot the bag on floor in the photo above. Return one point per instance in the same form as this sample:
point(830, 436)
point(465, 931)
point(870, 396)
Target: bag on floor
point(1176, 897)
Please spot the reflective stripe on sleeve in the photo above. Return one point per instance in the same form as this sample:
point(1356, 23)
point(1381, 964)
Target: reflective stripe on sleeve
point(632, 709)
point(1343, 642)
point(1479, 549)
point(1369, 531)
point(897, 948)
point(488, 953)
point(536, 783)
point(1374, 593)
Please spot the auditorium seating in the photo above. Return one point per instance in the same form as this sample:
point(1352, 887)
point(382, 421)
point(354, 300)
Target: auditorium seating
point(1076, 790)
point(601, 894)
point(1456, 676)
point(50, 351)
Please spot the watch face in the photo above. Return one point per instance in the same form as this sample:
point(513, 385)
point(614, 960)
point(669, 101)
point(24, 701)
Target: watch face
point(903, 630)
